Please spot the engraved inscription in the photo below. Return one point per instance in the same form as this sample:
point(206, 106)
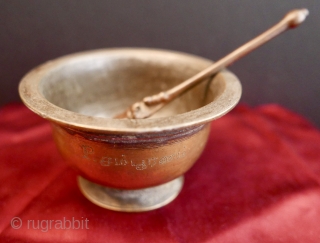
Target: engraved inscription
point(88, 153)
point(87, 150)
point(141, 166)
point(108, 161)
point(152, 161)
point(171, 157)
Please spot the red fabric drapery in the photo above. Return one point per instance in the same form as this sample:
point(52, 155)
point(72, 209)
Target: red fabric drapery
point(258, 180)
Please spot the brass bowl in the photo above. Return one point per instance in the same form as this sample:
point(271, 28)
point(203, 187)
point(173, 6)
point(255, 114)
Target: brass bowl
point(128, 164)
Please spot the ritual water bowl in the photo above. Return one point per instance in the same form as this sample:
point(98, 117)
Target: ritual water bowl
point(128, 164)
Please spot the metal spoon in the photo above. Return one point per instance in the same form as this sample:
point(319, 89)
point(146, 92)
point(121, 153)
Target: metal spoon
point(151, 104)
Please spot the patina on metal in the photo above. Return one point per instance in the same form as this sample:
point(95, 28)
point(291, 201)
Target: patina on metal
point(131, 200)
point(151, 104)
point(121, 162)
point(130, 164)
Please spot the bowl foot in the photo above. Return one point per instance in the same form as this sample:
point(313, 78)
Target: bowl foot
point(131, 200)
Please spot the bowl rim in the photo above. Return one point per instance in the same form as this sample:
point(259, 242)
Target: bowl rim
point(33, 98)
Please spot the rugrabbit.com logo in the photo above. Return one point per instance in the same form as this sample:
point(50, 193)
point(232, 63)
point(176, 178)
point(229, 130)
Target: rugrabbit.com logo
point(44, 225)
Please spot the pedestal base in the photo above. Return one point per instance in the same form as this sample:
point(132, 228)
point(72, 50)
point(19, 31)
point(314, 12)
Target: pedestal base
point(131, 200)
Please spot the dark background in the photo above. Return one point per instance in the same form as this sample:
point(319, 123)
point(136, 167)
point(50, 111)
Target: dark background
point(285, 70)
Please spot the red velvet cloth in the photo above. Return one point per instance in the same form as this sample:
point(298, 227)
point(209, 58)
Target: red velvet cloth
point(256, 181)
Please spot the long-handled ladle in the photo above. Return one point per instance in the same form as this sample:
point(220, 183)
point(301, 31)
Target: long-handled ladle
point(151, 104)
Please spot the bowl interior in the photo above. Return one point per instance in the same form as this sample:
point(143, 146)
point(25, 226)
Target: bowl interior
point(85, 90)
point(105, 85)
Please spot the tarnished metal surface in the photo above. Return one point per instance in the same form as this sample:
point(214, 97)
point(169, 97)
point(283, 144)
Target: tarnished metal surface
point(86, 90)
point(81, 93)
point(131, 200)
point(132, 162)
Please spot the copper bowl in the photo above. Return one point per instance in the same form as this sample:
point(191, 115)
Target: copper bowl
point(128, 164)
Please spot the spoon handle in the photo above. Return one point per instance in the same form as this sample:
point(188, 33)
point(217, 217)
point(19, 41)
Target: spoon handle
point(151, 104)
point(291, 20)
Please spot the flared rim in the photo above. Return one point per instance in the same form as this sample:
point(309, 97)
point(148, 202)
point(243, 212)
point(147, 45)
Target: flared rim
point(32, 97)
